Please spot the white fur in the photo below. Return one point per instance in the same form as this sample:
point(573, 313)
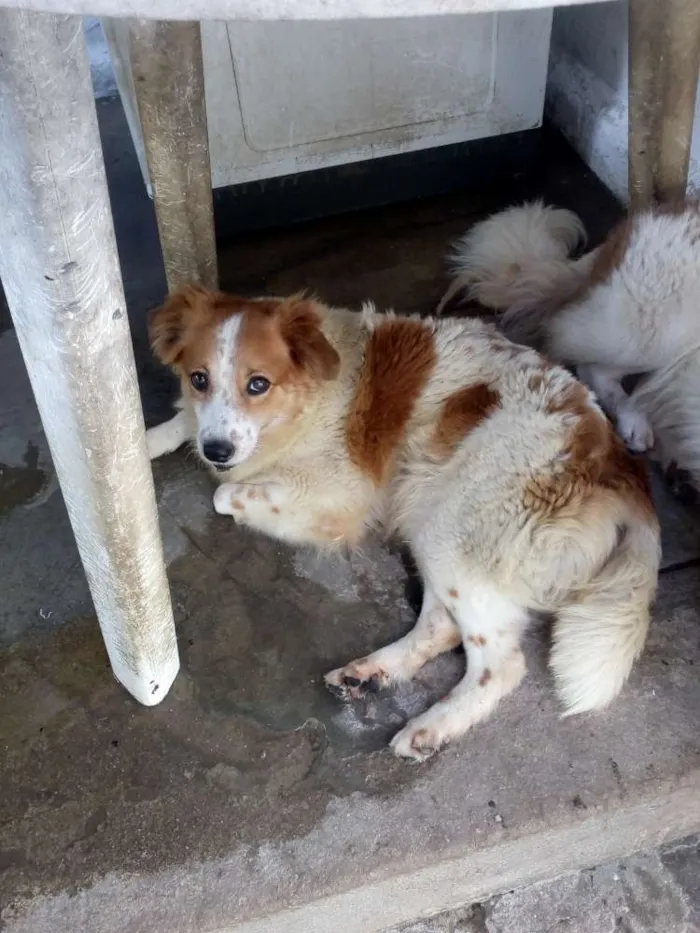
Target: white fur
point(642, 317)
point(169, 436)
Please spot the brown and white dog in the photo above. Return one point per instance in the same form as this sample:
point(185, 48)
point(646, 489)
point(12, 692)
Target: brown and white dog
point(496, 468)
point(629, 307)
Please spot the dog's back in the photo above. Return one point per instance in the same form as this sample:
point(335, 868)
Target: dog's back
point(514, 494)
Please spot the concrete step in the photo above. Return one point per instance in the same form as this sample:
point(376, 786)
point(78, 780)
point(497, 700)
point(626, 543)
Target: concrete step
point(647, 893)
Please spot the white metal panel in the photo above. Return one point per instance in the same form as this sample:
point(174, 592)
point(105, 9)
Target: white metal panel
point(333, 80)
point(293, 96)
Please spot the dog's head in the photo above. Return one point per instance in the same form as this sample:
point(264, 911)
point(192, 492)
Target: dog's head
point(248, 366)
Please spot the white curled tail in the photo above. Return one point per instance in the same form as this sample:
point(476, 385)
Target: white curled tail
point(517, 261)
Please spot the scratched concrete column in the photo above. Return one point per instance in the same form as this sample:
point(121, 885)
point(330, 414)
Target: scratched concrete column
point(664, 53)
point(59, 267)
point(166, 61)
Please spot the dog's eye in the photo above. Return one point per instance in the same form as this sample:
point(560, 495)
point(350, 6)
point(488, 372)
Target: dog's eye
point(257, 385)
point(200, 381)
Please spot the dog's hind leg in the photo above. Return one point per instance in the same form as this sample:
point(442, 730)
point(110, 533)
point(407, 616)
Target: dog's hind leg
point(491, 626)
point(632, 424)
point(434, 632)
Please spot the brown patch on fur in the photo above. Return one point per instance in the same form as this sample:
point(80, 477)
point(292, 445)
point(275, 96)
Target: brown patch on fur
point(283, 341)
point(596, 458)
point(485, 677)
point(399, 358)
point(461, 413)
point(611, 253)
point(286, 332)
point(237, 504)
point(535, 382)
point(168, 326)
point(185, 324)
point(477, 640)
point(275, 510)
point(591, 432)
point(628, 475)
point(453, 593)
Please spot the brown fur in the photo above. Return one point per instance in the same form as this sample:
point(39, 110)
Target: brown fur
point(612, 252)
point(461, 413)
point(186, 321)
point(279, 339)
point(399, 359)
point(596, 459)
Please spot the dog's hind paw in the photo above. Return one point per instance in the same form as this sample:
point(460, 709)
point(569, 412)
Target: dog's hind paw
point(635, 430)
point(418, 741)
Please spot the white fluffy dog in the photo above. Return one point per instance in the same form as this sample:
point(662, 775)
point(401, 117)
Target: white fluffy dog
point(629, 307)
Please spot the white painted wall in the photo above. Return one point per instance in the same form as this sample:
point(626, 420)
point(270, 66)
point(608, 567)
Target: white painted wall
point(587, 90)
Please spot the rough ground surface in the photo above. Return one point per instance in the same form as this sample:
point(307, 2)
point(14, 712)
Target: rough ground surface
point(250, 790)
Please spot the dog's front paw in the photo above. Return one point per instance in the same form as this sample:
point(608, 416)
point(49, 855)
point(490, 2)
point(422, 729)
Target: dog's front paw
point(228, 500)
point(160, 441)
point(356, 679)
point(635, 430)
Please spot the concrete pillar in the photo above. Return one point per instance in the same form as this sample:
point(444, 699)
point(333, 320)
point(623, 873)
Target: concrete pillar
point(60, 270)
point(664, 55)
point(166, 62)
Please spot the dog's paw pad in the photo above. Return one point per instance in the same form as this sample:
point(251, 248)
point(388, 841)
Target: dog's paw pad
point(226, 501)
point(419, 743)
point(356, 680)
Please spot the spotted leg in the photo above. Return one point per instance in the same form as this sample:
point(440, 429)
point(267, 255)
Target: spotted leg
point(491, 626)
point(434, 632)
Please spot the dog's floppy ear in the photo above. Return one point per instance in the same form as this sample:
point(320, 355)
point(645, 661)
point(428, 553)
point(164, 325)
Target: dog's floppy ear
point(308, 346)
point(168, 324)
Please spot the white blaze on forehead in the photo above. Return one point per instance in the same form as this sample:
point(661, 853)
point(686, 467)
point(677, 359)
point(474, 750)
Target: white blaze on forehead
point(224, 360)
point(220, 416)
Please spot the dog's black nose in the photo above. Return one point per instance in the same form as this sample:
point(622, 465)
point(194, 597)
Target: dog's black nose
point(218, 451)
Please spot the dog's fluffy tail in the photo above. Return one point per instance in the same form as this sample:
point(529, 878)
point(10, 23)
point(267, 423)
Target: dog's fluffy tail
point(601, 629)
point(518, 261)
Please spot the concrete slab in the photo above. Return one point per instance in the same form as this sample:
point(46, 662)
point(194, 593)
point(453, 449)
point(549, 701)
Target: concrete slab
point(250, 791)
point(251, 800)
point(647, 893)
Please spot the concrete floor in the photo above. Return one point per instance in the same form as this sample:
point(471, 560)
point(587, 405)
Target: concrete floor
point(251, 800)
